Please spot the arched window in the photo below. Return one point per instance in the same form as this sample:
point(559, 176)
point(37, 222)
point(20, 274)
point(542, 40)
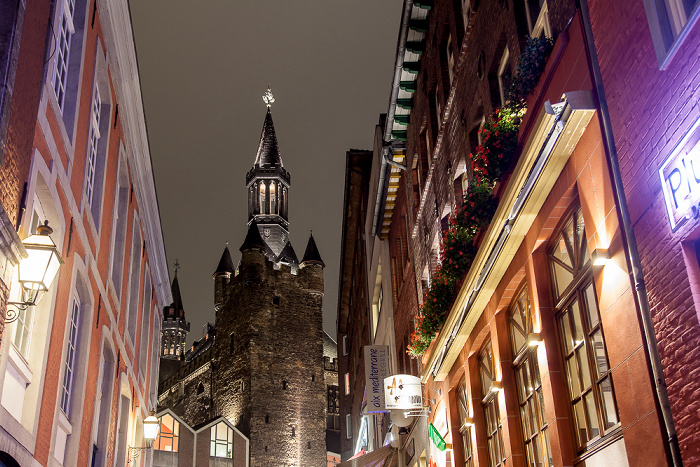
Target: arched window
point(583, 343)
point(263, 204)
point(273, 198)
point(529, 386)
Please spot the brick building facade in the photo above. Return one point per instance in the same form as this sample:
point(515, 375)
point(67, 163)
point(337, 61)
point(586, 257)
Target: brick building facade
point(78, 368)
point(261, 366)
point(543, 355)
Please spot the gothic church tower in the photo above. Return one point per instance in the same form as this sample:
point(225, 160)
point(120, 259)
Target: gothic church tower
point(268, 356)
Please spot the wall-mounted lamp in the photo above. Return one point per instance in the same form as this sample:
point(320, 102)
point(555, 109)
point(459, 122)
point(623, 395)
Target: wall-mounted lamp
point(468, 422)
point(150, 433)
point(534, 339)
point(600, 256)
point(37, 270)
point(496, 386)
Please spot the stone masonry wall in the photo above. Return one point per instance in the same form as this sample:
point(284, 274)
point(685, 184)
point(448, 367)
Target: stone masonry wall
point(275, 364)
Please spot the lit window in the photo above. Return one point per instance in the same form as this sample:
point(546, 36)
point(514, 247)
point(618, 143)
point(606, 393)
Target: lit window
point(583, 344)
point(263, 205)
point(669, 23)
point(494, 430)
point(221, 441)
point(347, 384)
point(69, 366)
point(529, 386)
point(273, 198)
point(65, 32)
point(168, 434)
point(93, 143)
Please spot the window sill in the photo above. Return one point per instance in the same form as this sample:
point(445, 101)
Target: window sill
point(595, 446)
point(20, 364)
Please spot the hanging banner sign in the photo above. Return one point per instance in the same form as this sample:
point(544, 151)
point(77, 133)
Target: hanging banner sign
point(680, 179)
point(403, 392)
point(376, 369)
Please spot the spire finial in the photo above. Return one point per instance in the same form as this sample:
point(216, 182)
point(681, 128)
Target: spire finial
point(176, 266)
point(268, 98)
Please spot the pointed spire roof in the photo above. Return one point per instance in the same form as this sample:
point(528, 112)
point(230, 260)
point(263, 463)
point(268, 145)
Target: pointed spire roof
point(268, 150)
point(253, 239)
point(311, 255)
point(177, 298)
point(225, 264)
point(288, 255)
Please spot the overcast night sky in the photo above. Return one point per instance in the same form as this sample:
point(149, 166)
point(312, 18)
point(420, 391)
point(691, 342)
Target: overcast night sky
point(204, 66)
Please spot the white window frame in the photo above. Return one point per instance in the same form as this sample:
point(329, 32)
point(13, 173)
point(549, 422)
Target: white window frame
point(93, 145)
point(669, 23)
point(215, 442)
point(60, 69)
point(69, 362)
point(502, 85)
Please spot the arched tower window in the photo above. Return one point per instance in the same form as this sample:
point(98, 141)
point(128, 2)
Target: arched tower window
point(273, 197)
point(251, 202)
point(263, 205)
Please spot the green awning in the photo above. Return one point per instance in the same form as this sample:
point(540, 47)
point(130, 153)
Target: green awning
point(436, 438)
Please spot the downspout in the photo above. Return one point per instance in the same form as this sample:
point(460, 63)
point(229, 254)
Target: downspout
point(630, 243)
point(395, 84)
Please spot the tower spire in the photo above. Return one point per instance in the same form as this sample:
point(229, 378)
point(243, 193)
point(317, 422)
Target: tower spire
point(268, 185)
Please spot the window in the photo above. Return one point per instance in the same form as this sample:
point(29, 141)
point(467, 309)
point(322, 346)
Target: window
point(529, 386)
point(145, 323)
point(669, 23)
point(377, 308)
point(168, 434)
point(69, 364)
point(537, 18)
point(347, 384)
point(221, 441)
point(273, 198)
point(333, 411)
point(134, 282)
point(263, 205)
point(121, 212)
point(93, 142)
point(348, 426)
point(494, 431)
point(466, 423)
point(345, 345)
point(583, 344)
point(504, 76)
point(65, 32)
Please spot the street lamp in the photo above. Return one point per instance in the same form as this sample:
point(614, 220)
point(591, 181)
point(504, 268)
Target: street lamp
point(37, 270)
point(150, 433)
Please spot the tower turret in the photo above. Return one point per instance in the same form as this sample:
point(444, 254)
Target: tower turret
point(268, 188)
point(173, 332)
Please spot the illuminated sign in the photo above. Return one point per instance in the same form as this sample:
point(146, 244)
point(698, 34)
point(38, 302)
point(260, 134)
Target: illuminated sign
point(376, 369)
point(680, 179)
point(403, 392)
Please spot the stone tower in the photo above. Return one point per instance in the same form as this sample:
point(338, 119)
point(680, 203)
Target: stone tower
point(268, 355)
point(173, 333)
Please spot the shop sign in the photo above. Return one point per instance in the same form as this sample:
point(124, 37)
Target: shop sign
point(403, 392)
point(680, 179)
point(376, 369)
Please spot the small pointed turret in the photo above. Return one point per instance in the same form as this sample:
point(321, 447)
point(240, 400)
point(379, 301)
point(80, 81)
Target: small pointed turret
point(253, 239)
point(311, 255)
point(225, 266)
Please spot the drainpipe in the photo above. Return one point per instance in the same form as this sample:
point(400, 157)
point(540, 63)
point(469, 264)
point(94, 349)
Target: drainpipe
point(630, 243)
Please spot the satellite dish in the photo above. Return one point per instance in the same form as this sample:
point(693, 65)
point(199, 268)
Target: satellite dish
point(400, 419)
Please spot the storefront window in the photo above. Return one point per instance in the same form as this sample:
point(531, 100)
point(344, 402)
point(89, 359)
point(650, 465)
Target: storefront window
point(583, 344)
point(529, 387)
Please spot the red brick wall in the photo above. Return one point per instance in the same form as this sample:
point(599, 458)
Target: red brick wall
point(651, 110)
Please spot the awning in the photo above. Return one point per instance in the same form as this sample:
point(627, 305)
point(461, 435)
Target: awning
point(380, 458)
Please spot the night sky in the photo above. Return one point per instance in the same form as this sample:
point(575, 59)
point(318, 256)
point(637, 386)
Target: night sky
point(204, 66)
